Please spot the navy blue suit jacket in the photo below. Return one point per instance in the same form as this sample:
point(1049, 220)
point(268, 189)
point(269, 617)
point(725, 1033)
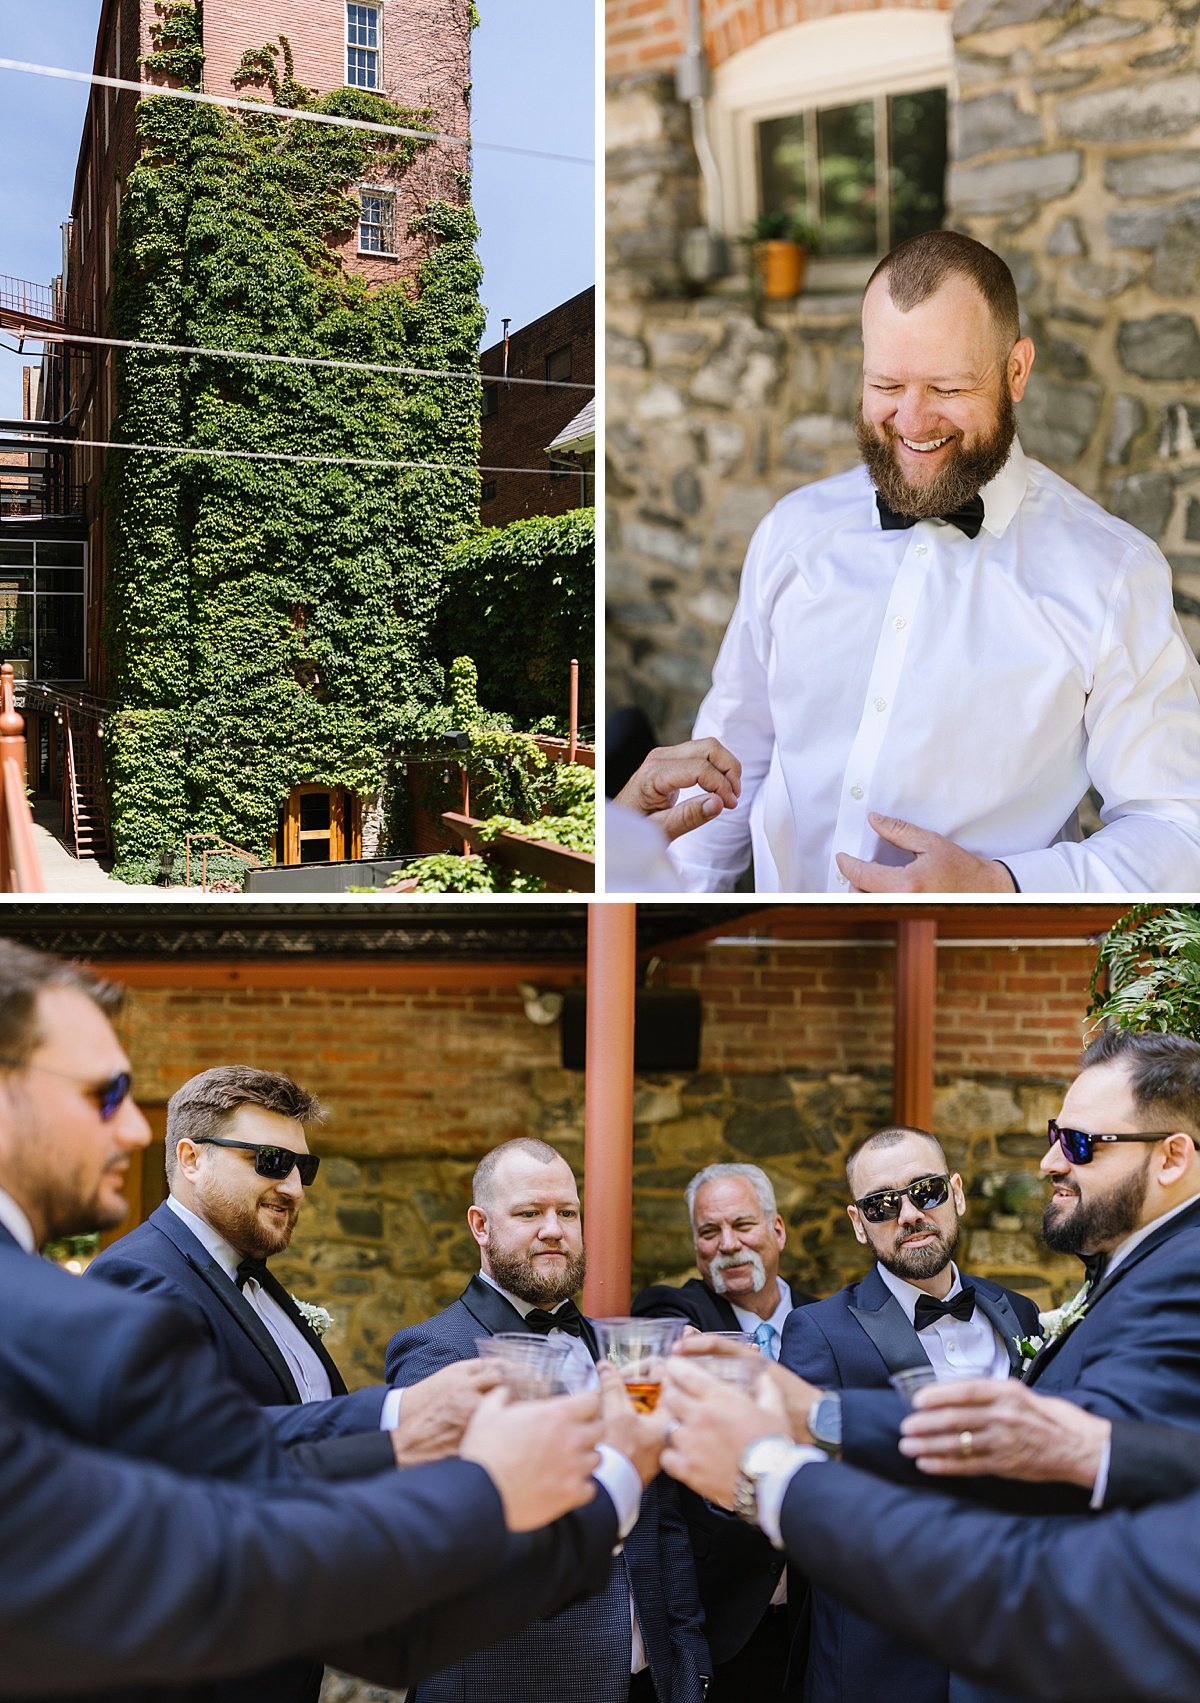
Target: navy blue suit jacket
point(855, 1340)
point(592, 1638)
point(128, 1374)
point(1098, 1608)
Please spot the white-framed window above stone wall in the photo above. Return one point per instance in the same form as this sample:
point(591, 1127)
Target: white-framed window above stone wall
point(362, 47)
point(376, 221)
point(841, 123)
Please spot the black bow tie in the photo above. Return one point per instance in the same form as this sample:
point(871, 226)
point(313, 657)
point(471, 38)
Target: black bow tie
point(568, 1318)
point(1095, 1265)
point(930, 1311)
point(968, 519)
point(248, 1269)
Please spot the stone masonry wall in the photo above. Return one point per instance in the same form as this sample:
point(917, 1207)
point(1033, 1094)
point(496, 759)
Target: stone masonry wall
point(1075, 149)
point(795, 1064)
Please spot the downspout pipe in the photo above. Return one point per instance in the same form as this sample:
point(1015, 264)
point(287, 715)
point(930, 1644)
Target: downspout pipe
point(705, 251)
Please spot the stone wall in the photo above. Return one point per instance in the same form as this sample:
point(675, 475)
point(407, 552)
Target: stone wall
point(795, 1064)
point(1075, 149)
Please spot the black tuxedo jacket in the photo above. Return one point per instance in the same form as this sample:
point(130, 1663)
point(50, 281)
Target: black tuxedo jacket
point(656, 1568)
point(737, 1570)
point(855, 1340)
point(89, 1365)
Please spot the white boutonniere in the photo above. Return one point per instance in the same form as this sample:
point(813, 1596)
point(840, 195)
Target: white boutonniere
point(316, 1318)
point(1056, 1322)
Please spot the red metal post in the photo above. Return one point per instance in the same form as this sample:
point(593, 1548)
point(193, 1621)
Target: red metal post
point(574, 738)
point(915, 1022)
point(608, 1143)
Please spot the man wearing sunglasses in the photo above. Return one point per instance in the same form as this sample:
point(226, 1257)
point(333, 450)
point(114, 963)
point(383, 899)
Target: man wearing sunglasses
point(914, 1308)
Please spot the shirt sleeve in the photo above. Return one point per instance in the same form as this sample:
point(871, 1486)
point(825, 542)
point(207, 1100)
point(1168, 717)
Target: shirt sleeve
point(736, 711)
point(1143, 729)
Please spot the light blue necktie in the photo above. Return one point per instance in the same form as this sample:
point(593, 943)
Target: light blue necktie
point(764, 1340)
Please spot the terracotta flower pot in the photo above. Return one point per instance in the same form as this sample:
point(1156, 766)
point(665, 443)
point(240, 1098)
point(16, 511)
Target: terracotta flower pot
point(782, 267)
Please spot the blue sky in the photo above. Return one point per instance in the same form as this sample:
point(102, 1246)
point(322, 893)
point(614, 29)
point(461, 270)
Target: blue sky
point(533, 87)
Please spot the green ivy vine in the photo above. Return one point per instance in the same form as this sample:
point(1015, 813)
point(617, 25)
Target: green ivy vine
point(271, 622)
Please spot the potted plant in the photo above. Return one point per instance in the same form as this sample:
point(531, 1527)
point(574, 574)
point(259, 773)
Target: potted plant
point(781, 245)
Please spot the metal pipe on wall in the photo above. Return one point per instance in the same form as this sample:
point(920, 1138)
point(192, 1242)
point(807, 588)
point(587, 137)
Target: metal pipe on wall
point(608, 1138)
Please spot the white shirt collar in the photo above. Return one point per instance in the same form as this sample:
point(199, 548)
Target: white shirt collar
point(750, 1321)
point(1002, 496)
point(908, 1294)
point(523, 1307)
point(1123, 1250)
point(15, 1222)
point(225, 1254)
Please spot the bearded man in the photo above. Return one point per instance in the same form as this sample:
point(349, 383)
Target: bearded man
point(640, 1640)
point(934, 656)
point(914, 1308)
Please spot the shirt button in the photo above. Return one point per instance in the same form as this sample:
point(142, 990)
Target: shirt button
point(899, 623)
point(881, 704)
point(842, 880)
point(856, 792)
point(922, 550)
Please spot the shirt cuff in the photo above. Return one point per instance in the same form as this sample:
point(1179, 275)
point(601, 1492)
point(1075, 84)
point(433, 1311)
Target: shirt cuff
point(389, 1413)
point(773, 1487)
point(621, 1479)
point(1100, 1488)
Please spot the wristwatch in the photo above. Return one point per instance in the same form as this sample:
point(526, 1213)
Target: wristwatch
point(761, 1457)
point(825, 1421)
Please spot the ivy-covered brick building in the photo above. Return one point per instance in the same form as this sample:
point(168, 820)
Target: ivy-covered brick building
point(256, 625)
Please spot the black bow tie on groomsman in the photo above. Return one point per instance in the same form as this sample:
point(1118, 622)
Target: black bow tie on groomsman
point(1094, 1265)
point(248, 1269)
point(568, 1318)
point(968, 519)
point(929, 1311)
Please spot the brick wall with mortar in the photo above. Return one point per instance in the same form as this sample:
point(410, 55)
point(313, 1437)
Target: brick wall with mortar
point(1075, 151)
point(795, 1064)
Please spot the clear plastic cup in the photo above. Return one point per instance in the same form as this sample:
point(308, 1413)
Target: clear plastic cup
point(638, 1349)
point(913, 1378)
point(531, 1366)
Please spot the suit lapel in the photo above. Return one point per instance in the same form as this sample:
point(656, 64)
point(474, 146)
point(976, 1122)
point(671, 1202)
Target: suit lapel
point(998, 1310)
point(286, 1304)
point(228, 1294)
point(884, 1320)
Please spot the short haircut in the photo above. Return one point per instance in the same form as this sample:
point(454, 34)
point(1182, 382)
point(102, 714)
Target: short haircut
point(483, 1183)
point(892, 1136)
point(759, 1180)
point(1163, 1069)
point(208, 1101)
point(25, 974)
point(915, 269)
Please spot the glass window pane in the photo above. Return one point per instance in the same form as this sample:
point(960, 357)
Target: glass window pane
point(16, 579)
point(917, 152)
point(15, 551)
point(59, 579)
point(315, 851)
point(16, 630)
point(314, 812)
point(846, 173)
point(60, 638)
point(783, 166)
point(61, 555)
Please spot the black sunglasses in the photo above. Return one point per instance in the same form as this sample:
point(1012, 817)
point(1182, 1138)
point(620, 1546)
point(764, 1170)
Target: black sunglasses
point(273, 1162)
point(881, 1208)
point(109, 1096)
point(1079, 1145)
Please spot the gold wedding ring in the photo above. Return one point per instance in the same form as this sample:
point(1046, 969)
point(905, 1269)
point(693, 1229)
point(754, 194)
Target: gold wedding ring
point(966, 1444)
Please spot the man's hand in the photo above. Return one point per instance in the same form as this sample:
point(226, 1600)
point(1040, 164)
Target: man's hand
point(539, 1455)
point(639, 1436)
point(435, 1412)
point(790, 1397)
point(938, 866)
point(716, 1424)
point(652, 791)
point(980, 1425)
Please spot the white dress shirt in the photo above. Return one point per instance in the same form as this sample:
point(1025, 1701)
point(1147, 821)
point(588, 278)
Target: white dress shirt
point(750, 1322)
point(976, 687)
point(957, 1348)
point(16, 1223)
point(303, 1362)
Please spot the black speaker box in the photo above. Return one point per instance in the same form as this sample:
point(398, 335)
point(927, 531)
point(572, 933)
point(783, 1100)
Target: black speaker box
point(666, 1030)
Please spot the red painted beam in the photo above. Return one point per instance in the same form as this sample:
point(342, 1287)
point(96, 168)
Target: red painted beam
point(608, 1141)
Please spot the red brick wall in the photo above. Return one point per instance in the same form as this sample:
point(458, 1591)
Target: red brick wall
point(530, 416)
point(649, 35)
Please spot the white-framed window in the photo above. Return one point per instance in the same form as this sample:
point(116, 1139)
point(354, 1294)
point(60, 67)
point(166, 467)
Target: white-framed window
point(362, 47)
point(376, 221)
point(841, 123)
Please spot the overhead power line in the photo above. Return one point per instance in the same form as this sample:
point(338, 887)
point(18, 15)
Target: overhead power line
point(473, 374)
point(148, 90)
point(35, 444)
